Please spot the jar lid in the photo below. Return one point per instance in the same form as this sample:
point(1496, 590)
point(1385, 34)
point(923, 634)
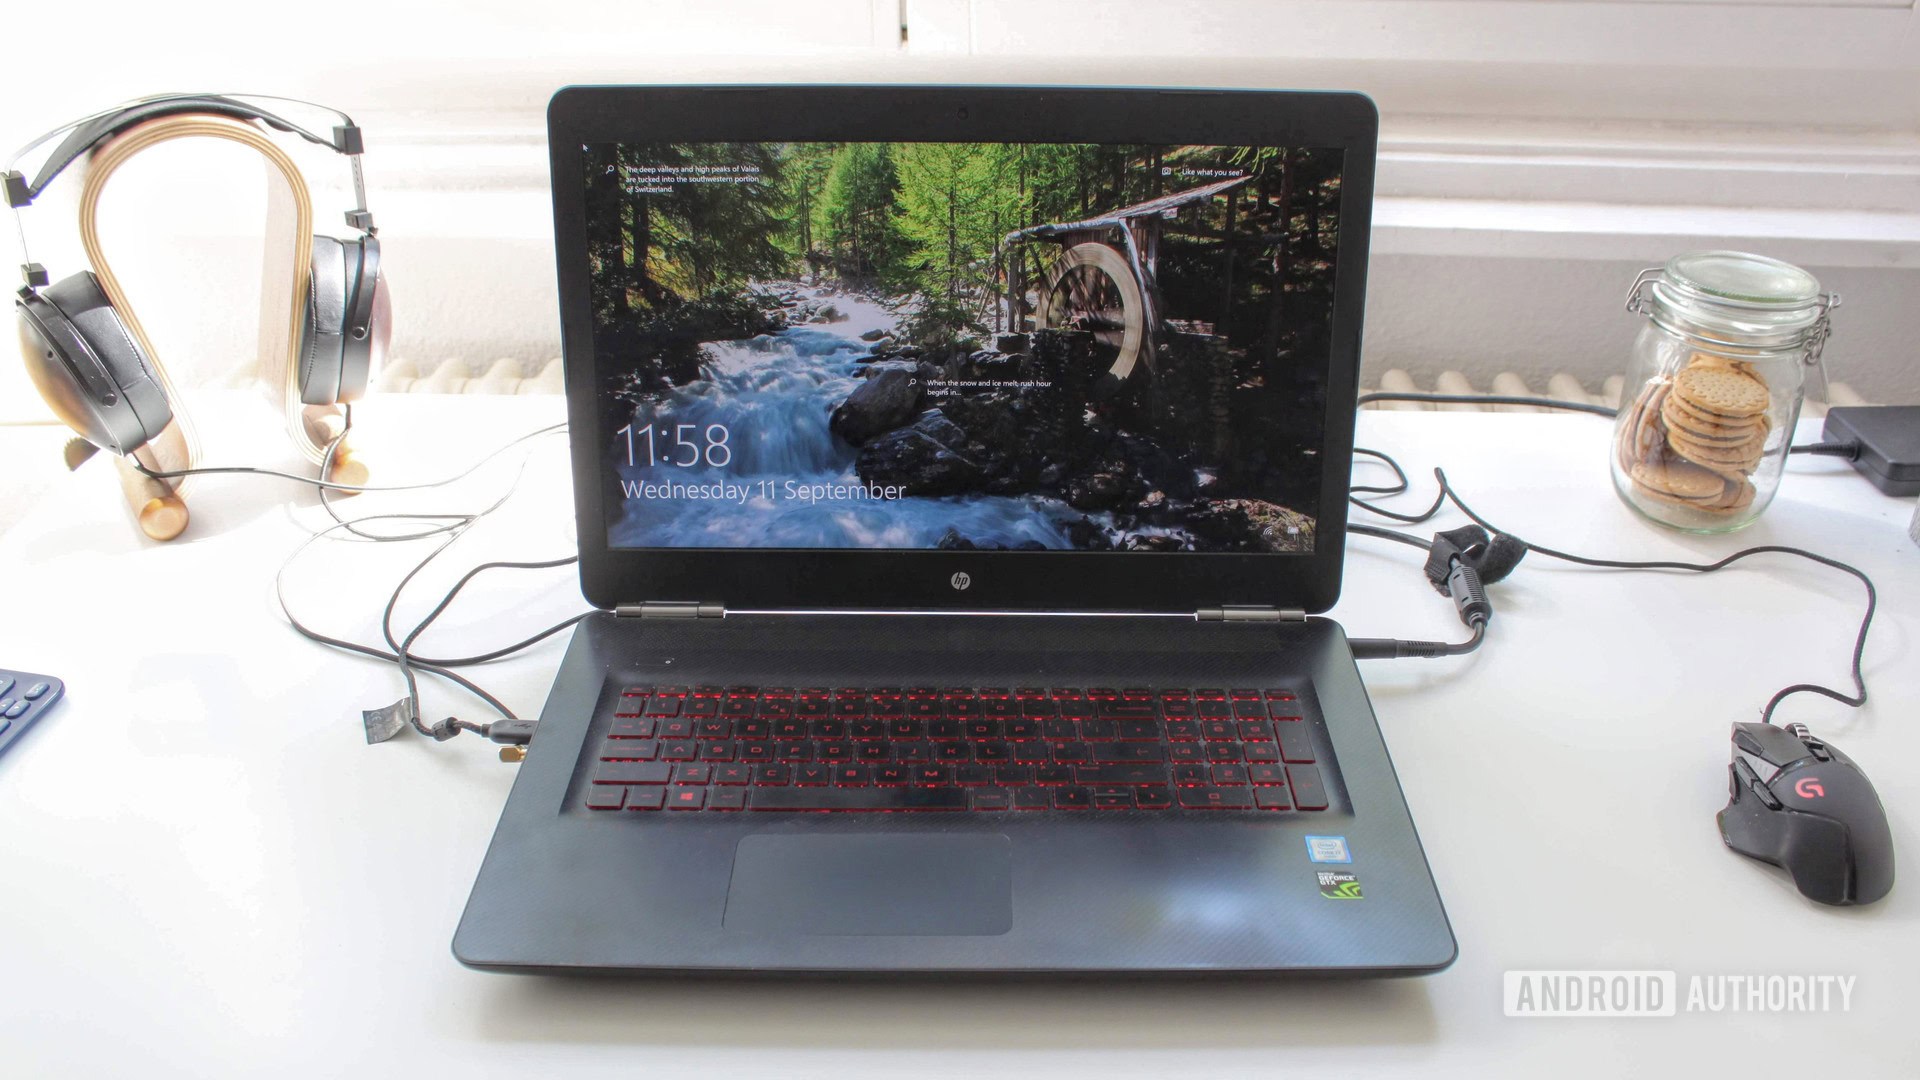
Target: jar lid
point(1738, 299)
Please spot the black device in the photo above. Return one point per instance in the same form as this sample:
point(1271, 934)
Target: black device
point(1885, 441)
point(1799, 803)
point(24, 698)
point(959, 471)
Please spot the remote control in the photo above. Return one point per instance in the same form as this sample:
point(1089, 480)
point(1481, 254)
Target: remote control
point(24, 696)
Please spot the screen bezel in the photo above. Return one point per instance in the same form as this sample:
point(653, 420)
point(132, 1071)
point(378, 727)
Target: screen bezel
point(868, 579)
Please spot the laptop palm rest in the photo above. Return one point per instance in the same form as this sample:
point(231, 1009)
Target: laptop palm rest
point(911, 884)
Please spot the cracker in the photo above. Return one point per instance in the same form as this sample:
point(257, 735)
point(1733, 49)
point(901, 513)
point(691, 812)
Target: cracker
point(1725, 393)
point(1677, 418)
point(1682, 480)
point(1695, 417)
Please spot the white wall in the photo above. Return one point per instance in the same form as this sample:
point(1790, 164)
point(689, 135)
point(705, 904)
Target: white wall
point(1534, 152)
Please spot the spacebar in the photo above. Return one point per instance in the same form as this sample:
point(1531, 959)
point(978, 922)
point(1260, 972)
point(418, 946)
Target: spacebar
point(873, 798)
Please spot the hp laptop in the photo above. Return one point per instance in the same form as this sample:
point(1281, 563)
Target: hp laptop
point(959, 473)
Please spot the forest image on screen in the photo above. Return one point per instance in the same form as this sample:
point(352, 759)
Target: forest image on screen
point(962, 346)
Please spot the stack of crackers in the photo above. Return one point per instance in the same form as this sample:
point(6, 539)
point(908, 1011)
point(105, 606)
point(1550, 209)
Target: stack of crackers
point(1693, 438)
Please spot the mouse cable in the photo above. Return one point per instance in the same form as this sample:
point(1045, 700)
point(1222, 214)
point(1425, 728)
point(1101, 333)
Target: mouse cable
point(1855, 700)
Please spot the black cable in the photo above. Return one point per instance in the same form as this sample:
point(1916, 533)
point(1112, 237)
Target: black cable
point(1400, 487)
point(1855, 700)
point(1487, 399)
point(1848, 450)
point(1388, 534)
point(329, 485)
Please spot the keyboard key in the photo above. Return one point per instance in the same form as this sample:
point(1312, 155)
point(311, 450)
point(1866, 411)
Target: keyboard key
point(992, 799)
point(930, 775)
point(946, 729)
point(867, 729)
point(632, 772)
point(828, 729)
point(790, 728)
point(692, 774)
point(756, 752)
point(1224, 751)
point(913, 752)
point(1229, 775)
point(793, 751)
point(1072, 798)
point(1250, 710)
point(1127, 707)
point(993, 751)
point(972, 775)
point(729, 798)
point(812, 775)
point(1129, 751)
point(629, 750)
point(892, 775)
point(676, 729)
point(1112, 798)
point(732, 774)
point(686, 798)
point(1120, 774)
point(1012, 775)
point(633, 727)
point(1295, 746)
point(1215, 798)
point(713, 729)
point(702, 706)
point(1137, 730)
point(1060, 730)
point(773, 775)
point(1262, 751)
point(716, 751)
point(1153, 798)
point(1023, 729)
point(1052, 774)
point(872, 752)
point(949, 752)
point(868, 798)
point(1097, 729)
point(1267, 774)
point(1072, 752)
point(1256, 731)
point(905, 728)
point(753, 729)
point(1188, 752)
point(659, 706)
point(1191, 775)
point(1183, 730)
point(1308, 792)
point(647, 798)
point(679, 750)
point(850, 775)
point(834, 753)
point(1211, 708)
point(1031, 798)
point(608, 797)
point(1218, 730)
point(1272, 798)
point(1031, 752)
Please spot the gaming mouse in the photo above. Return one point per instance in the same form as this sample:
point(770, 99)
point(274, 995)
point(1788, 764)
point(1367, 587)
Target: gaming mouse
point(1801, 804)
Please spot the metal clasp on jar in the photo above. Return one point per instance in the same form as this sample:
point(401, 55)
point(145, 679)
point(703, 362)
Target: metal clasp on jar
point(1817, 334)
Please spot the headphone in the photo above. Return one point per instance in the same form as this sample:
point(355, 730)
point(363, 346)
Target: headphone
point(86, 358)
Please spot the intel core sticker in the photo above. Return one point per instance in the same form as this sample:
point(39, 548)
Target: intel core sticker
point(1338, 885)
point(1328, 849)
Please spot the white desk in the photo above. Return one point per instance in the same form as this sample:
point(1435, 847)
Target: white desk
point(205, 871)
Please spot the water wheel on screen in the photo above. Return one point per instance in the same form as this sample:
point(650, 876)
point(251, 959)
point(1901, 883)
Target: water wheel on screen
point(1091, 287)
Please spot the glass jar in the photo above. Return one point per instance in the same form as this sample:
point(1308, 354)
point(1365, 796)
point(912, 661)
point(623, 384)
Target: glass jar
point(1714, 386)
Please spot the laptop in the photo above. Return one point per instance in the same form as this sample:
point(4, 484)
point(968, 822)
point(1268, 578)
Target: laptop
point(959, 473)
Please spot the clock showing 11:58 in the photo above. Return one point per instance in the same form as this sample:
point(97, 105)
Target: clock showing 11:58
point(685, 445)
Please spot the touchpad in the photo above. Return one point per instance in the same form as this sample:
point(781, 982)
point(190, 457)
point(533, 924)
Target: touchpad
point(879, 884)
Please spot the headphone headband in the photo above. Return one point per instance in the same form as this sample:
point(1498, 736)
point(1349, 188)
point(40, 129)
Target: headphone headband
point(89, 132)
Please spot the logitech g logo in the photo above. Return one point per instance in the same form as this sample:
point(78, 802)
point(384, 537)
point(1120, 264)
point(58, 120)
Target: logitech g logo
point(961, 580)
point(1808, 788)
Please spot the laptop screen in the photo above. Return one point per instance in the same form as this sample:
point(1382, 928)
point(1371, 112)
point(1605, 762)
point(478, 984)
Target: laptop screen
point(962, 346)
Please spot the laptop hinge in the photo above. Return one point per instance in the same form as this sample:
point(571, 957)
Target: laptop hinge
point(671, 609)
point(1250, 613)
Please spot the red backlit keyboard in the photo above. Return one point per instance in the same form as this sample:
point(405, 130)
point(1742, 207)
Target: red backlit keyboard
point(741, 748)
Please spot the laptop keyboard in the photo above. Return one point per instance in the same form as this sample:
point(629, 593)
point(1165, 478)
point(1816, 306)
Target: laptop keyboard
point(710, 748)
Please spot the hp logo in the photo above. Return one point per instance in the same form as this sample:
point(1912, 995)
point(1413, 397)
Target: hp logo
point(962, 580)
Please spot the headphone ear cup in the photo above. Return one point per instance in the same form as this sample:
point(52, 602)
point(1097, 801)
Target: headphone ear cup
point(368, 317)
point(323, 331)
point(88, 367)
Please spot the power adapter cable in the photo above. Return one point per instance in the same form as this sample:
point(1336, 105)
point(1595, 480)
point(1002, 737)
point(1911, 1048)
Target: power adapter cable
point(1451, 569)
